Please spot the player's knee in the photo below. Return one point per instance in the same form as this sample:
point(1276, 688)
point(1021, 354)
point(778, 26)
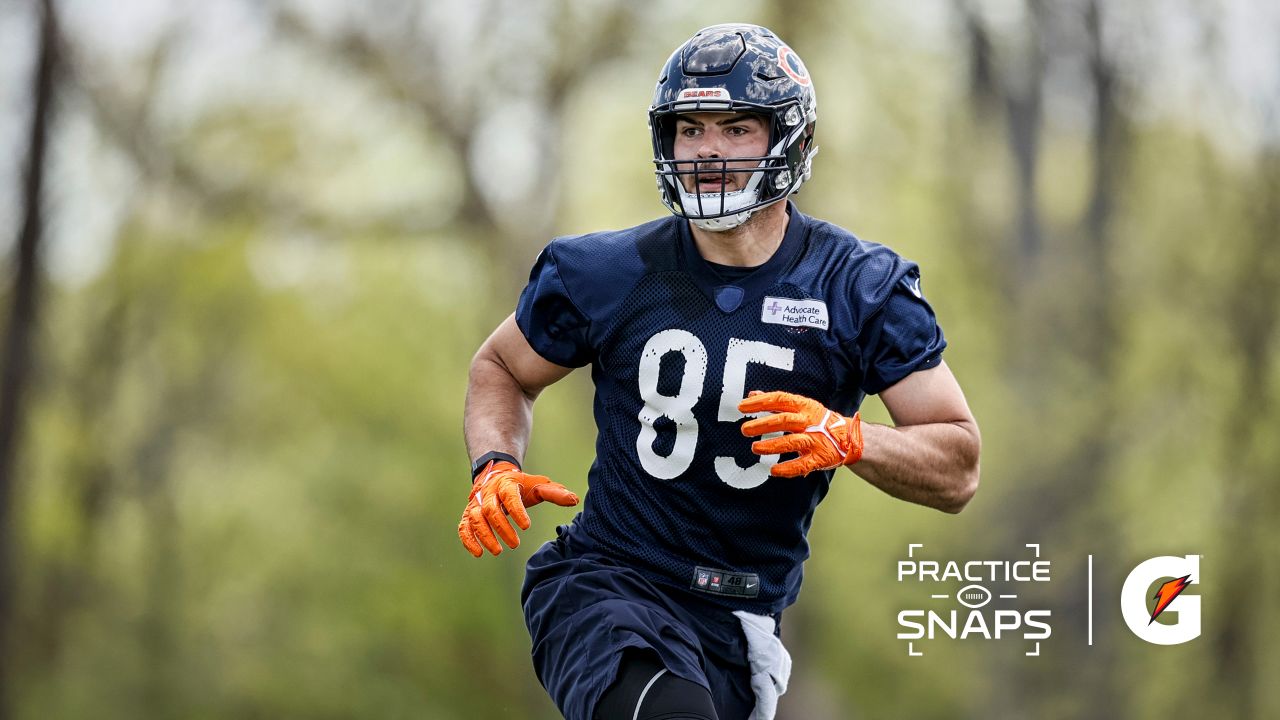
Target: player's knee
point(645, 690)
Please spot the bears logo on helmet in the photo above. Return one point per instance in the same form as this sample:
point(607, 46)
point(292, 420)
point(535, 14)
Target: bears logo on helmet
point(790, 63)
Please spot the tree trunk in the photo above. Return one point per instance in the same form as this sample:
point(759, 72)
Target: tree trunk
point(17, 352)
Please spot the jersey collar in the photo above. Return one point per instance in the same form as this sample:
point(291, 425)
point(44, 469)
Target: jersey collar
point(729, 296)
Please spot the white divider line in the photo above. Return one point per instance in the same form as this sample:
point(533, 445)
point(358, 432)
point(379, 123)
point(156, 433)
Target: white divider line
point(1090, 601)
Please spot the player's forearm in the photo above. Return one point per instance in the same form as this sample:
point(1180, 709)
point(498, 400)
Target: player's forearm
point(934, 465)
point(499, 412)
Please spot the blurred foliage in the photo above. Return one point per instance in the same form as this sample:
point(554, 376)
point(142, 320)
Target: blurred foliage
point(242, 464)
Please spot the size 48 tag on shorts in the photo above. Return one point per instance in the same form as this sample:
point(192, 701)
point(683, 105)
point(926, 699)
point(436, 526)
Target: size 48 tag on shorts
point(723, 582)
point(797, 313)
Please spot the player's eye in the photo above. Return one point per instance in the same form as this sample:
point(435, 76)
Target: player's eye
point(688, 131)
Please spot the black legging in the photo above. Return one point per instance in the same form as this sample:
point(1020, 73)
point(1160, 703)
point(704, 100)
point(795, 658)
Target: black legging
point(645, 690)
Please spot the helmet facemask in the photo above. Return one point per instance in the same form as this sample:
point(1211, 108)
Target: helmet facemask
point(772, 176)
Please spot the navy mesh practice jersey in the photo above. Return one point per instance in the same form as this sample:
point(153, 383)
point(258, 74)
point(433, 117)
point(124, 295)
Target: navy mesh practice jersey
point(675, 491)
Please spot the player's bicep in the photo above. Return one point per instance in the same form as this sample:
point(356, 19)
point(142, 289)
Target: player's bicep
point(509, 348)
point(927, 396)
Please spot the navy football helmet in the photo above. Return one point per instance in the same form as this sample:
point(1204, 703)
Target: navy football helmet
point(734, 68)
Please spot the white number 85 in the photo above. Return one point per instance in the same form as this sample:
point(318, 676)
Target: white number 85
point(679, 407)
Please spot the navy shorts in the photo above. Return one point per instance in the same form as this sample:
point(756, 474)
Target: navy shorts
point(583, 609)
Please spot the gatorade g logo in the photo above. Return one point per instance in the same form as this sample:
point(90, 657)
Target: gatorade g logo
point(1174, 574)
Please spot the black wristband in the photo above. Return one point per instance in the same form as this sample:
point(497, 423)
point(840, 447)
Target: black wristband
point(488, 457)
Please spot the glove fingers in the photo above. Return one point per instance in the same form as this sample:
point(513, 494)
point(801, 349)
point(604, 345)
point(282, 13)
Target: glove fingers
point(776, 401)
point(483, 532)
point(468, 537)
point(509, 494)
point(793, 443)
point(554, 492)
point(528, 496)
point(496, 519)
point(502, 493)
point(792, 468)
point(780, 422)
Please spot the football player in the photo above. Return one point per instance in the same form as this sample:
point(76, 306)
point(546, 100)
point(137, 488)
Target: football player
point(662, 598)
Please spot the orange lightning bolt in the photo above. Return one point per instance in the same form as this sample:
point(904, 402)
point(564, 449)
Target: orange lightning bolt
point(1166, 594)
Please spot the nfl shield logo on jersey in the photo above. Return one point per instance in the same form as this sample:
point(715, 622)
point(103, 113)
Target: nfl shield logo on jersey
point(703, 577)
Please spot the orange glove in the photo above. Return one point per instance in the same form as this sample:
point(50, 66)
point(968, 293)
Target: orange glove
point(824, 439)
point(501, 488)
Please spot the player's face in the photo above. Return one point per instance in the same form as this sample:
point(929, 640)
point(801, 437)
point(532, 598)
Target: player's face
point(719, 136)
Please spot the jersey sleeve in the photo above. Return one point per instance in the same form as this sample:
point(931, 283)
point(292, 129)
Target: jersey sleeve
point(901, 338)
point(554, 326)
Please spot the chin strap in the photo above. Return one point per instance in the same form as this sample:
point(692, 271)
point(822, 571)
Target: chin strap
point(721, 224)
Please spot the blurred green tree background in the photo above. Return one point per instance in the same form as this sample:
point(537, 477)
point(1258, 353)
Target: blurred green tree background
point(275, 233)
